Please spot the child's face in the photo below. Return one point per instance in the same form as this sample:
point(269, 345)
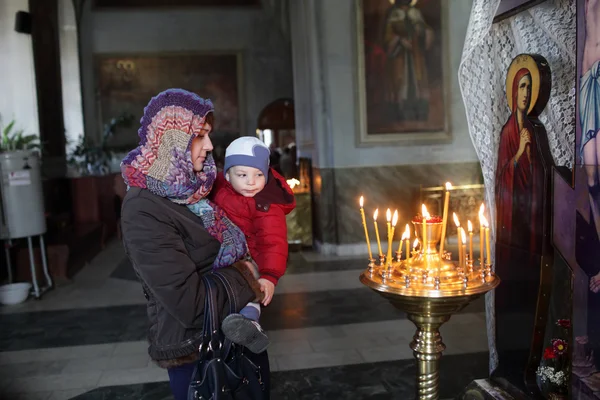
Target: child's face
point(247, 181)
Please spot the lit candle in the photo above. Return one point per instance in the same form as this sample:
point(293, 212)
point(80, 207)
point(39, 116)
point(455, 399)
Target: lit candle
point(377, 232)
point(481, 217)
point(415, 244)
point(388, 218)
point(392, 231)
point(364, 222)
point(470, 228)
point(424, 218)
point(463, 248)
point(488, 254)
point(445, 218)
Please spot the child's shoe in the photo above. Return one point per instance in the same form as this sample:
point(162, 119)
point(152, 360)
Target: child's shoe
point(245, 332)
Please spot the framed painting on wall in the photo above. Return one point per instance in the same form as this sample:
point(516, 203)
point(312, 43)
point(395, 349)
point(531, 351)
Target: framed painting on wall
point(125, 83)
point(403, 79)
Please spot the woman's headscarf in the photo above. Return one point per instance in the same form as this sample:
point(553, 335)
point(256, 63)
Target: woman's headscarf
point(162, 162)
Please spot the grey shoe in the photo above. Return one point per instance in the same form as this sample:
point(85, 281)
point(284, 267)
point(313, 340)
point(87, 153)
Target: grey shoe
point(245, 332)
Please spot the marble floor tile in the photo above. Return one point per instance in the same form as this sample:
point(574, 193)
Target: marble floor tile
point(131, 376)
point(67, 394)
point(56, 353)
point(391, 352)
point(87, 364)
point(50, 383)
point(291, 347)
point(318, 360)
point(33, 396)
point(32, 369)
point(349, 342)
point(130, 348)
point(319, 281)
point(380, 381)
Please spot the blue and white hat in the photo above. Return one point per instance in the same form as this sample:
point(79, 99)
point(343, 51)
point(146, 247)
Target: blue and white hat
point(248, 151)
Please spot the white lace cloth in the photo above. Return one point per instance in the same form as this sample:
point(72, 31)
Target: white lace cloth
point(548, 29)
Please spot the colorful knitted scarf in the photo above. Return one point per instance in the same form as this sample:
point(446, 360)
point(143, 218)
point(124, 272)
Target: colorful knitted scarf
point(162, 164)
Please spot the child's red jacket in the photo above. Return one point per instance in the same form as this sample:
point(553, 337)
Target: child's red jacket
point(262, 219)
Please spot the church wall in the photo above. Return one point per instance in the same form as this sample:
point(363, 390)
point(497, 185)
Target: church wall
point(266, 54)
point(18, 100)
point(327, 103)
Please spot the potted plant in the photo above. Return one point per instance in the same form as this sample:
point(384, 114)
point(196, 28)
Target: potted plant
point(14, 140)
point(91, 159)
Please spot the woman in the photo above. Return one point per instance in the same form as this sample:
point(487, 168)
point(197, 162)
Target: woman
point(170, 247)
point(519, 175)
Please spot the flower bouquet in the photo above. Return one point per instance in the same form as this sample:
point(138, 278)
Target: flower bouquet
point(554, 369)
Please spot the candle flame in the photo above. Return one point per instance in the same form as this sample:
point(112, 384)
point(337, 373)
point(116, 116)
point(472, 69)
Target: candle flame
point(484, 220)
point(405, 235)
point(388, 215)
point(395, 218)
point(470, 226)
point(482, 209)
point(375, 214)
point(448, 186)
point(415, 243)
point(424, 212)
point(361, 201)
point(407, 232)
point(456, 221)
point(293, 183)
point(464, 237)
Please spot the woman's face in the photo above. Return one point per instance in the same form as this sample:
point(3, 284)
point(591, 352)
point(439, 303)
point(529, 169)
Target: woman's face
point(201, 145)
point(524, 93)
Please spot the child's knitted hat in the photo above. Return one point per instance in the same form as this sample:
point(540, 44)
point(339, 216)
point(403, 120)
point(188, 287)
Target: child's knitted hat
point(248, 151)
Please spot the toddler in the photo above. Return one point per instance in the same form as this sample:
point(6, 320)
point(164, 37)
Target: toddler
point(256, 199)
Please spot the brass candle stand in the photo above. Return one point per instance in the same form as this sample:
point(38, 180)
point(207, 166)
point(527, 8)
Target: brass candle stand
point(429, 288)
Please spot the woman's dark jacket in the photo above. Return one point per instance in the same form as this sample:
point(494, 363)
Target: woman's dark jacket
point(170, 250)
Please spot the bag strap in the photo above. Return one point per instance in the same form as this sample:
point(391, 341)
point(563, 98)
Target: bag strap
point(233, 307)
point(231, 296)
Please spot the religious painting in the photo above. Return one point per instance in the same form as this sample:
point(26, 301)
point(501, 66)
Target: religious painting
point(126, 82)
point(523, 249)
point(586, 345)
point(402, 70)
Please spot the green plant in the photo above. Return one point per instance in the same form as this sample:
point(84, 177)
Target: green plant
point(15, 139)
point(90, 158)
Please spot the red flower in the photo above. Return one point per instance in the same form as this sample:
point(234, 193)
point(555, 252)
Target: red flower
point(559, 346)
point(564, 323)
point(549, 353)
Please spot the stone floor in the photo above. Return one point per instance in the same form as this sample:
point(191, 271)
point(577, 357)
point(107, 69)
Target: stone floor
point(331, 338)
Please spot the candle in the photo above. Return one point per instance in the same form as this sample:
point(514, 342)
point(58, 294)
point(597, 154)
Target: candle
point(481, 229)
point(470, 227)
point(388, 218)
point(415, 244)
point(487, 245)
point(377, 232)
point(392, 231)
point(445, 218)
point(405, 238)
point(364, 222)
point(487, 240)
point(463, 248)
point(425, 217)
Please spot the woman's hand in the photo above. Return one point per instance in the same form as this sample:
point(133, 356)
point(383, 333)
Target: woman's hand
point(268, 288)
point(525, 140)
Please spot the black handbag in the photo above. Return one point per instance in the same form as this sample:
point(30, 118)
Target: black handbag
point(223, 372)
